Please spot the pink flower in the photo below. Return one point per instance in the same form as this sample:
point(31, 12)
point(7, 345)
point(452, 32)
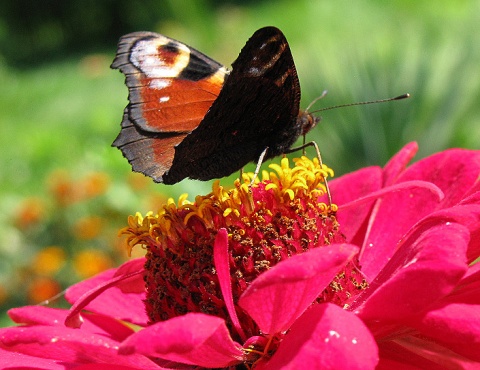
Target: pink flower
point(278, 280)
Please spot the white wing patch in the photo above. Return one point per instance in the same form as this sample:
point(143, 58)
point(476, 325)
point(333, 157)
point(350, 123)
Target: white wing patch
point(146, 57)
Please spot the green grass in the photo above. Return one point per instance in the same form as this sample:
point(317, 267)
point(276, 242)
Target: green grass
point(65, 115)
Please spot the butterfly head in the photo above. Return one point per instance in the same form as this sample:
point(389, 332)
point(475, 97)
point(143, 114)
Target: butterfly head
point(307, 121)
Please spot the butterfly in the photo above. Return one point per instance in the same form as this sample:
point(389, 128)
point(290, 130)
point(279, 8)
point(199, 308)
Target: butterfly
point(190, 117)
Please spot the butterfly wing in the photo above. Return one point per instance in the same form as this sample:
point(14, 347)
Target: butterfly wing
point(256, 108)
point(171, 87)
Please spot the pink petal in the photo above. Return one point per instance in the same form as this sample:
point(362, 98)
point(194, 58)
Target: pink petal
point(352, 186)
point(326, 337)
point(389, 364)
point(111, 367)
point(280, 295)
point(474, 246)
point(72, 346)
point(426, 267)
point(467, 215)
point(418, 353)
point(195, 339)
point(393, 189)
point(20, 361)
point(222, 265)
point(111, 294)
point(374, 256)
point(359, 184)
point(397, 164)
point(98, 324)
point(392, 217)
point(453, 171)
point(38, 315)
point(130, 268)
point(472, 195)
point(467, 290)
point(456, 326)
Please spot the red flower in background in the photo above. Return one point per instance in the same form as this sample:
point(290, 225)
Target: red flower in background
point(275, 282)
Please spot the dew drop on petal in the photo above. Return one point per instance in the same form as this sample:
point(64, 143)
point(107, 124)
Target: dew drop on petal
point(333, 333)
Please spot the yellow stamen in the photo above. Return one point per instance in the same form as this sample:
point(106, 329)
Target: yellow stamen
point(305, 180)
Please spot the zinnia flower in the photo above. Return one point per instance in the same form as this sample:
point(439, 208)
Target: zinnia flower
point(278, 278)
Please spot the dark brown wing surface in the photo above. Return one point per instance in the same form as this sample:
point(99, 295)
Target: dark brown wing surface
point(257, 108)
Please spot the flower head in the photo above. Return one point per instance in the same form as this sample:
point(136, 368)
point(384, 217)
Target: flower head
point(277, 278)
point(266, 224)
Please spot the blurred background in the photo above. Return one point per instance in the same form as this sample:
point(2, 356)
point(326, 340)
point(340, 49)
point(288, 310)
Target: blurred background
point(65, 193)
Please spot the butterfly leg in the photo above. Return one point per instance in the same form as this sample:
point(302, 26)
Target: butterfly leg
point(259, 164)
point(319, 156)
point(254, 177)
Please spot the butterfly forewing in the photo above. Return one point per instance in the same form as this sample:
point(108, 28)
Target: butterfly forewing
point(171, 87)
point(256, 108)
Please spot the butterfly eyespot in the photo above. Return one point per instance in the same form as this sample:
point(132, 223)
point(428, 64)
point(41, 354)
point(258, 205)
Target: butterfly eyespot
point(169, 53)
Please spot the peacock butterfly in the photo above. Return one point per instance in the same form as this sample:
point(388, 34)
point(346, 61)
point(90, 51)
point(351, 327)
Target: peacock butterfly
point(188, 116)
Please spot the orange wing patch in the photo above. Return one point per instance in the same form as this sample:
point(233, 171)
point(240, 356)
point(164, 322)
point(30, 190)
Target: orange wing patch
point(177, 107)
point(171, 86)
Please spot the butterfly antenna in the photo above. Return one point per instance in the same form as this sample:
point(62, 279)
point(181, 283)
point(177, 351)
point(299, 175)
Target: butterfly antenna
point(312, 143)
point(315, 100)
point(400, 97)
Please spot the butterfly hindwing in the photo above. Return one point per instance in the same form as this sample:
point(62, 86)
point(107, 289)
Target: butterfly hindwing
point(149, 153)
